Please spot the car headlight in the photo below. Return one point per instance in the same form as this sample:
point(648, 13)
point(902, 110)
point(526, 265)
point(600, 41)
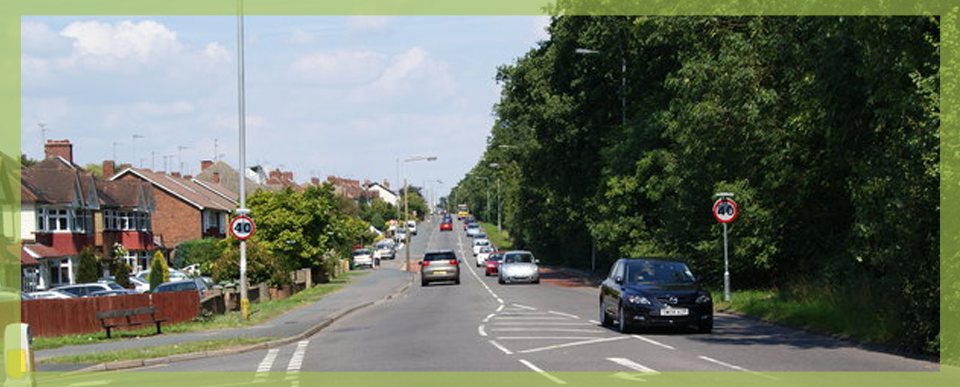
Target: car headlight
point(703, 299)
point(638, 300)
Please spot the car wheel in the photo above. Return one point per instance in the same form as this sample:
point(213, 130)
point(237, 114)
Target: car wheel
point(536, 281)
point(623, 322)
point(457, 281)
point(605, 320)
point(500, 280)
point(424, 283)
point(705, 326)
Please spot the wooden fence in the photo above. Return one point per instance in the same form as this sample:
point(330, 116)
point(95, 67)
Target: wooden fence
point(79, 315)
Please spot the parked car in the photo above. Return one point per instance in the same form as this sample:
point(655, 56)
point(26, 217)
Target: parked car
point(412, 227)
point(400, 236)
point(483, 254)
point(654, 292)
point(480, 235)
point(107, 293)
point(519, 266)
point(192, 284)
point(473, 229)
point(493, 263)
point(479, 243)
point(362, 258)
point(439, 265)
point(50, 295)
point(137, 284)
point(84, 290)
point(175, 275)
point(385, 250)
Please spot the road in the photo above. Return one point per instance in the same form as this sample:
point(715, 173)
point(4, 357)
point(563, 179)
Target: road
point(480, 325)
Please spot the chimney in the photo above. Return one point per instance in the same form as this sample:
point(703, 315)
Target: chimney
point(275, 174)
point(125, 166)
point(204, 164)
point(288, 176)
point(315, 181)
point(175, 174)
point(188, 177)
point(62, 148)
point(386, 183)
point(109, 168)
point(216, 177)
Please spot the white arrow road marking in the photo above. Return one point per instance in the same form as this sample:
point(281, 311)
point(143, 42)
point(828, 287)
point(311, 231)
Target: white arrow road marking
point(542, 372)
point(654, 342)
point(735, 367)
point(500, 347)
point(632, 365)
point(573, 344)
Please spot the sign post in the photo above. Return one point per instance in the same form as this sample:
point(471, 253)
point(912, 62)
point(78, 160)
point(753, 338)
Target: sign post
point(242, 228)
point(725, 211)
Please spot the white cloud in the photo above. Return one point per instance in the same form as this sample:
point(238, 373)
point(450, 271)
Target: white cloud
point(216, 53)
point(361, 24)
point(413, 71)
point(108, 46)
point(341, 67)
point(302, 37)
point(37, 39)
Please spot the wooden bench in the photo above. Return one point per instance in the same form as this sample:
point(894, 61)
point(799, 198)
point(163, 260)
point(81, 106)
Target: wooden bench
point(126, 315)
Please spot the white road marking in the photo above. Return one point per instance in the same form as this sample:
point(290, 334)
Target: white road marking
point(268, 360)
point(545, 338)
point(489, 316)
point(524, 307)
point(531, 318)
point(654, 342)
point(564, 314)
point(595, 322)
point(480, 329)
point(632, 365)
point(736, 367)
point(500, 347)
point(500, 308)
point(296, 362)
point(540, 324)
point(548, 330)
point(573, 344)
point(542, 372)
point(477, 276)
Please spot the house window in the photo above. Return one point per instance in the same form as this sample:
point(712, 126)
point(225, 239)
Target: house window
point(61, 220)
point(213, 220)
point(79, 219)
point(138, 260)
point(60, 273)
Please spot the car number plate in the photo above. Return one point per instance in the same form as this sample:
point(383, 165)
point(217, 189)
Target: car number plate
point(674, 312)
point(439, 272)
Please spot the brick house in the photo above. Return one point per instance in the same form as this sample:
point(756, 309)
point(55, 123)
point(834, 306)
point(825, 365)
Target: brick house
point(186, 208)
point(126, 219)
point(229, 178)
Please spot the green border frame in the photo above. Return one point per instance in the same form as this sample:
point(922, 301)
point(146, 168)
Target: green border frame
point(12, 10)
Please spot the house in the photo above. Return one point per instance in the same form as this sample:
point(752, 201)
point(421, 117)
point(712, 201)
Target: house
point(64, 210)
point(279, 180)
point(382, 191)
point(348, 188)
point(186, 208)
point(229, 178)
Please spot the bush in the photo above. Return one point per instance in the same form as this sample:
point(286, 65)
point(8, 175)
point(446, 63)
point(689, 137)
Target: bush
point(203, 252)
point(158, 265)
point(121, 273)
point(263, 266)
point(89, 270)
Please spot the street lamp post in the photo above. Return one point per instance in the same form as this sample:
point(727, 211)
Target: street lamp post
point(406, 204)
point(241, 112)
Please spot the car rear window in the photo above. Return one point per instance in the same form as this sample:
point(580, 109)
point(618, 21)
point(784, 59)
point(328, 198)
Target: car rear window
point(361, 252)
point(177, 287)
point(519, 258)
point(439, 257)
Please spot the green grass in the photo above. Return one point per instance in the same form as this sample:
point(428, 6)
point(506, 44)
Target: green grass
point(259, 313)
point(499, 239)
point(823, 312)
point(155, 352)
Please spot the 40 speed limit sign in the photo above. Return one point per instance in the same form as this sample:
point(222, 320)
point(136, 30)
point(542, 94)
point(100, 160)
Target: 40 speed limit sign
point(242, 227)
point(725, 210)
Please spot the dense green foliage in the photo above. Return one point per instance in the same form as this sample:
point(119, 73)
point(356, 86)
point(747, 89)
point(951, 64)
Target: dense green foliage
point(825, 128)
point(377, 212)
point(203, 252)
point(158, 265)
point(88, 270)
point(121, 273)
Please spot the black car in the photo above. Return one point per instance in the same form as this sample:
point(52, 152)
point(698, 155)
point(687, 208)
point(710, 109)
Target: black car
point(654, 292)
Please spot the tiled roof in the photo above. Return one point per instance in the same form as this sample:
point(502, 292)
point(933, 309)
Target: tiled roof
point(201, 196)
point(125, 194)
point(55, 181)
point(43, 251)
point(26, 258)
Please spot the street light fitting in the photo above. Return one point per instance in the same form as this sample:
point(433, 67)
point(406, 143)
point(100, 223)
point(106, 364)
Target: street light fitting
point(494, 165)
point(420, 158)
point(586, 51)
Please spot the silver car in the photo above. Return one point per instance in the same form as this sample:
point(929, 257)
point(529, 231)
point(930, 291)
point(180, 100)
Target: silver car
point(439, 265)
point(519, 266)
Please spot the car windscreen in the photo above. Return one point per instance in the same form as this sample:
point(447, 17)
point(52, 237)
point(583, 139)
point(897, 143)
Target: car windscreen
point(473, 225)
point(439, 257)
point(518, 258)
point(115, 286)
point(495, 257)
point(648, 272)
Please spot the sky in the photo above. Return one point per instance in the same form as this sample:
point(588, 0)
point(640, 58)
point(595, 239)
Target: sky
point(325, 95)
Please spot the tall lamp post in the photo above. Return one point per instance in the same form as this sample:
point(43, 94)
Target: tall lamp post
point(241, 112)
point(406, 203)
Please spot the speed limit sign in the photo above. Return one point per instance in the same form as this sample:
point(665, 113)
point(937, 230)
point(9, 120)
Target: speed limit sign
point(242, 227)
point(725, 210)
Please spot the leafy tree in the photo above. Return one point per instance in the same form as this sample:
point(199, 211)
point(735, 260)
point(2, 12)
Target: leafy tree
point(203, 252)
point(26, 161)
point(95, 169)
point(89, 268)
point(262, 265)
point(121, 273)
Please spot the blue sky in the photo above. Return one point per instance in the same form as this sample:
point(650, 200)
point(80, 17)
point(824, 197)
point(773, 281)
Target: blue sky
point(342, 96)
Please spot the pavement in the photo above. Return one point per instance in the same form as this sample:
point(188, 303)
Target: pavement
point(380, 284)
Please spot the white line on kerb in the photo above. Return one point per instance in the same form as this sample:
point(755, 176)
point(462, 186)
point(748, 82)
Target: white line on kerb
point(500, 347)
point(480, 329)
point(632, 365)
point(268, 360)
point(654, 342)
point(296, 362)
point(564, 314)
point(573, 344)
point(542, 372)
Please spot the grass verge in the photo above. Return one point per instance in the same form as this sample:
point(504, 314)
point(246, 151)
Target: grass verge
point(500, 239)
point(822, 313)
point(259, 313)
point(156, 352)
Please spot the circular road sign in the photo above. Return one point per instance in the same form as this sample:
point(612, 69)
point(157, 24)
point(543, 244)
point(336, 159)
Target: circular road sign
point(725, 210)
point(242, 227)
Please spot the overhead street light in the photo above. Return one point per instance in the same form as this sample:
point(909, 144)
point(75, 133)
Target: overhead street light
point(406, 202)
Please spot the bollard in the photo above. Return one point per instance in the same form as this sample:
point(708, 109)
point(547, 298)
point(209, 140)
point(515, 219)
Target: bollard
point(18, 356)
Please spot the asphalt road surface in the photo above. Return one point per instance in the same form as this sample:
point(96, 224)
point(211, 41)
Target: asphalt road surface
point(480, 325)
